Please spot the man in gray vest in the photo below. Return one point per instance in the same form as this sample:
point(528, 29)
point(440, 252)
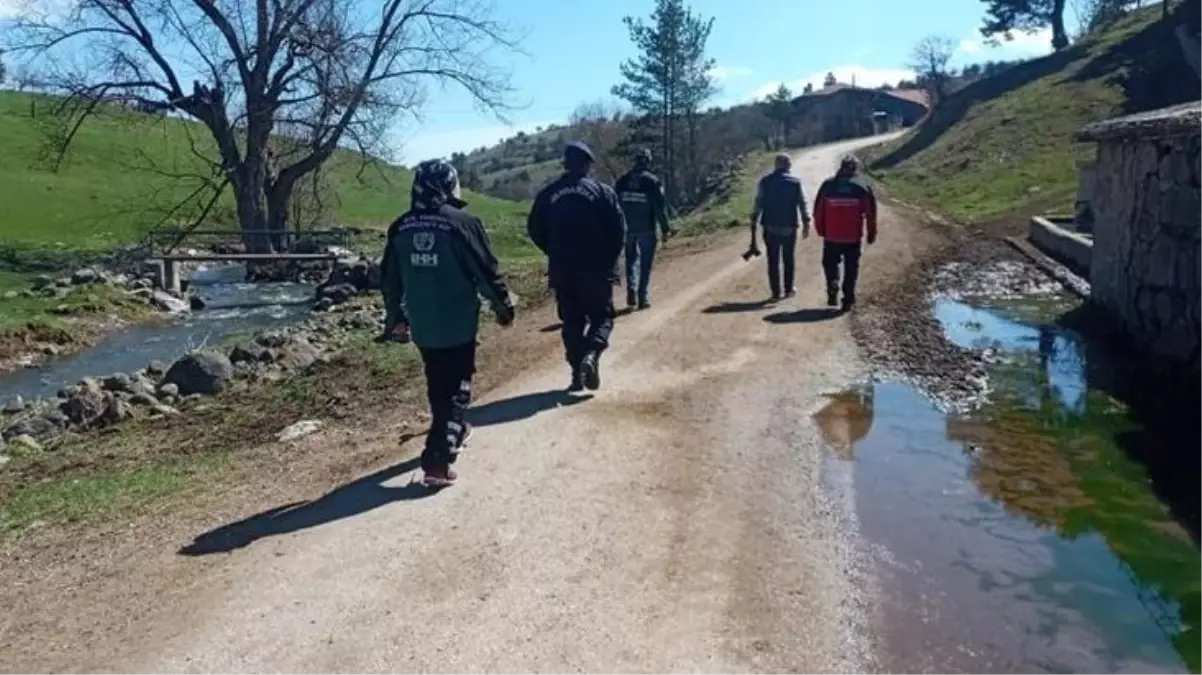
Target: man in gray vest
point(780, 207)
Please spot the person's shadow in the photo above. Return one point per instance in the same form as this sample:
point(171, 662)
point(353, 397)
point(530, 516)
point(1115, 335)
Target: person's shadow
point(351, 499)
point(804, 316)
point(367, 493)
point(735, 307)
point(521, 407)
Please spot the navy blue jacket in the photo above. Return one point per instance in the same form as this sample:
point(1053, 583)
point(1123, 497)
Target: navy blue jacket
point(578, 223)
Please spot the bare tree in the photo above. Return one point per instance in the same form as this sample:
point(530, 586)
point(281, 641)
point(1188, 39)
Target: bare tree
point(599, 124)
point(273, 81)
point(929, 59)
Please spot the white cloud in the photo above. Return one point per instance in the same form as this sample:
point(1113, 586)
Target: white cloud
point(1021, 44)
point(846, 74)
point(417, 146)
point(724, 73)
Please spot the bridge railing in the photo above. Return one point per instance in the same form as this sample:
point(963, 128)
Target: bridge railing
point(166, 240)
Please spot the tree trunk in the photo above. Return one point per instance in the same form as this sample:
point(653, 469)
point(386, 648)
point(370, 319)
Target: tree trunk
point(1059, 34)
point(248, 199)
point(278, 198)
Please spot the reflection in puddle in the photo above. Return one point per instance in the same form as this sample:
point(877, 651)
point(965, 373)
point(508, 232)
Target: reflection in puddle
point(1023, 537)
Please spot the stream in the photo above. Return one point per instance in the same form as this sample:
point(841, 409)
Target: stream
point(231, 307)
point(1034, 534)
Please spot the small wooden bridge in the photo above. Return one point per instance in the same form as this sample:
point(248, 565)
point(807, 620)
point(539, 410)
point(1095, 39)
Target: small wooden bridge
point(163, 249)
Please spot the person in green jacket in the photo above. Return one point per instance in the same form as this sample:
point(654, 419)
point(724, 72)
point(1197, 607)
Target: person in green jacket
point(436, 264)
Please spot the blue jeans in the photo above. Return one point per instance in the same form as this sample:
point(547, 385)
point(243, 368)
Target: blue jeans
point(640, 254)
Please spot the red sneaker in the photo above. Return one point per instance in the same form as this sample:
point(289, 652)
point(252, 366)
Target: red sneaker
point(439, 479)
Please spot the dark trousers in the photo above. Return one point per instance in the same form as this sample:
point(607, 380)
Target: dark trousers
point(449, 373)
point(640, 255)
point(587, 312)
point(834, 253)
point(782, 252)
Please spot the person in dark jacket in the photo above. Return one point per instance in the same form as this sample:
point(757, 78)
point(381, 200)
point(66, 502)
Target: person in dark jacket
point(642, 197)
point(844, 208)
point(577, 222)
point(437, 262)
point(780, 207)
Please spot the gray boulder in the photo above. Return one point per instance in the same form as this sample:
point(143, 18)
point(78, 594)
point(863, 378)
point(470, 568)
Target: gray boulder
point(118, 382)
point(35, 427)
point(85, 275)
point(15, 405)
point(273, 339)
point(85, 407)
point(115, 411)
point(196, 303)
point(169, 390)
point(166, 302)
point(156, 368)
point(298, 355)
point(27, 442)
point(337, 293)
point(205, 373)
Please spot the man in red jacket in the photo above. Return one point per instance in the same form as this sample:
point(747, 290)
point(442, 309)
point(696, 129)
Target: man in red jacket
point(844, 207)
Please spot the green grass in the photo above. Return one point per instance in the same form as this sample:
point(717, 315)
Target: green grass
point(733, 209)
point(1004, 146)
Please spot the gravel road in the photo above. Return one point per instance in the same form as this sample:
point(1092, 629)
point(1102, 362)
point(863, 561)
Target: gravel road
point(685, 518)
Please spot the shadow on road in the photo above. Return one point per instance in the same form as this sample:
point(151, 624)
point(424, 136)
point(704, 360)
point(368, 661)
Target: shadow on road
point(551, 328)
point(803, 316)
point(733, 307)
point(348, 500)
point(521, 407)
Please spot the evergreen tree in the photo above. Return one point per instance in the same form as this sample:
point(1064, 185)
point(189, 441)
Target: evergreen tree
point(670, 80)
point(780, 109)
point(1003, 17)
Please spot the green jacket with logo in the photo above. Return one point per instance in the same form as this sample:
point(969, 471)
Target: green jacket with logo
point(642, 197)
point(436, 264)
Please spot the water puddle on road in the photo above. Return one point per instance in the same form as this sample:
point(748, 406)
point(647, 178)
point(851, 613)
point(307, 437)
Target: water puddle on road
point(1029, 535)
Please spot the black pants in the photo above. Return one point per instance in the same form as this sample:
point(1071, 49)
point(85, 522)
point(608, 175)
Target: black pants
point(587, 312)
point(782, 252)
point(834, 253)
point(449, 373)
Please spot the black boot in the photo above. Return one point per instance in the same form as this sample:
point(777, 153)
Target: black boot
point(848, 302)
point(577, 384)
point(631, 301)
point(832, 298)
point(590, 367)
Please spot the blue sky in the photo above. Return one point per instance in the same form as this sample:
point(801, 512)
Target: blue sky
point(573, 49)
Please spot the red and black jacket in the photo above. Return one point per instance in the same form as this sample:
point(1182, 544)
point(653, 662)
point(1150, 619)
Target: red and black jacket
point(843, 208)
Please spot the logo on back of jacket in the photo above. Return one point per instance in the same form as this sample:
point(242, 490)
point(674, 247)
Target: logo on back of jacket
point(423, 244)
point(572, 190)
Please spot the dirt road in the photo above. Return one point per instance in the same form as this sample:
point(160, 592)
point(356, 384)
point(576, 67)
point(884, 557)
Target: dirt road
point(687, 517)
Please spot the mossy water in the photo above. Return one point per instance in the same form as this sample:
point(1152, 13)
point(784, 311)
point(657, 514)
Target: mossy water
point(1029, 535)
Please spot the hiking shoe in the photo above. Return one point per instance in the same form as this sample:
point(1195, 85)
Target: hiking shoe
point(775, 296)
point(791, 293)
point(644, 304)
point(577, 384)
point(848, 304)
point(630, 299)
point(439, 478)
point(590, 368)
point(832, 298)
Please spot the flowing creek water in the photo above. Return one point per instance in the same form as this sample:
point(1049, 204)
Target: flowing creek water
point(231, 307)
point(1027, 536)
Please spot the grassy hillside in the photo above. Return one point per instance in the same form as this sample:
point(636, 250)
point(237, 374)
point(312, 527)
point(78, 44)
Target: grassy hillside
point(1004, 145)
point(107, 193)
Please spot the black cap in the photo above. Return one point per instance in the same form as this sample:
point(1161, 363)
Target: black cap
point(579, 149)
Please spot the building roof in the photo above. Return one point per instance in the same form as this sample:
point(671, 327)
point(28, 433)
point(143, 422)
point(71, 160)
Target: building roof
point(1178, 120)
point(918, 96)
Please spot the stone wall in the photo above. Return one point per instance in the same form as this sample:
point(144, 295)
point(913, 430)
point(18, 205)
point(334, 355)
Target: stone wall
point(1147, 239)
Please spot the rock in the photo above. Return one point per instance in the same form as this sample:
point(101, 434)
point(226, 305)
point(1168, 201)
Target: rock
point(298, 355)
point(299, 430)
point(169, 389)
point(117, 382)
point(85, 407)
point(91, 384)
point(250, 353)
point(166, 302)
point(115, 411)
point(56, 418)
point(121, 279)
point(51, 350)
point(156, 368)
point(9, 295)
point(35, 427)
point(4, 459)
point(85, 275)
point(323, 305)
point(141, 385)
point(163, 410)
point(41, 281)
point(16, 405)
point(274, 339)
point(62, 309)
point(337, 293)
point(28, 442)
point(142, 284)
point(62, 282)
point(143, 399)
point(196, 302)
point(200, 373)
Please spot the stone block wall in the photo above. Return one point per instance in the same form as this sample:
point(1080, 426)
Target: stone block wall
point(1146, 269)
